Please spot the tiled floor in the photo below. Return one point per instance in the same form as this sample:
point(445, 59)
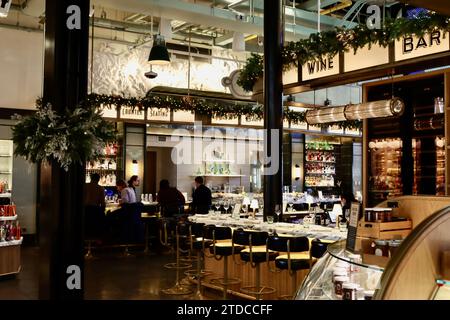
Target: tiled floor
point(110, 276)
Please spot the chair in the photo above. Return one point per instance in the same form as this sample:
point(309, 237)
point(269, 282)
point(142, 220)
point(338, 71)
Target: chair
point(317, 250)
point(294, 257)
point(255, 254)
point(181, 230)
point(222, 250)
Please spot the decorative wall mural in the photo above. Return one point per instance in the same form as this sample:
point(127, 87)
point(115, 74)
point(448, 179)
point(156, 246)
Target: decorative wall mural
point(123, 72)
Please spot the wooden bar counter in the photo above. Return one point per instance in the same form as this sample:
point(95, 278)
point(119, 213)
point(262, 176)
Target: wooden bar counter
point(280, 280)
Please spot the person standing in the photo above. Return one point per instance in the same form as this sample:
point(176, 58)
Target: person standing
point(170, 199)
point(94, 203)
point(201, 198)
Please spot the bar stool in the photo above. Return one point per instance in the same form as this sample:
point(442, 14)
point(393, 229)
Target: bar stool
point(198, 244)
point(296, 257)
point(318, 249)
point(222, 250)
point(181, 230)
point(255, 254)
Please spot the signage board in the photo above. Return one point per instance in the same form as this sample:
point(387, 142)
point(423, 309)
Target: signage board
point(158, 114)
point(365, 58)
point(132, 113)
point(320, 68)
point(183, 116)
point(414, 47)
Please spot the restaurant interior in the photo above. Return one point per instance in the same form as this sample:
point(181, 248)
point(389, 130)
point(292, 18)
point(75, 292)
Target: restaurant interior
point(317, 137)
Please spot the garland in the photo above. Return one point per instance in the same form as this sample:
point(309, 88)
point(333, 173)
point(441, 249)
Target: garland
point(72, 137)
point(330, 43)
point(203, 106)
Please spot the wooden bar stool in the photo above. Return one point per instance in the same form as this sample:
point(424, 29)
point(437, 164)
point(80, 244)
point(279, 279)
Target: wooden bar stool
point(293, 256)
point(222, 250)
point(255, 254)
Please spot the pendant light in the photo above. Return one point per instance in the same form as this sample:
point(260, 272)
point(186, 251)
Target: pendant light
point(377, 109)
point(159, 54)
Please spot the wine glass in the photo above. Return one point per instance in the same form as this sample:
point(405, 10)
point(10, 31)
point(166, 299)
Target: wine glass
point(217, 205)
point(291, 206)
point(143, 197)
point(278, 212)
point(226, 206)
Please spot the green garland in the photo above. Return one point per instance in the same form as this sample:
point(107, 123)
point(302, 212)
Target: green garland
point(72, 137)
point(203, 106)
point(330, 43)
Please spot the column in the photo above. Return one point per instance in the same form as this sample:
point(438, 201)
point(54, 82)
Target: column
point(61, 192)
point(273, 107)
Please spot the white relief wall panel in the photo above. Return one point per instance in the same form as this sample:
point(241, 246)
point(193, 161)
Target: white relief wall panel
point(121, 72)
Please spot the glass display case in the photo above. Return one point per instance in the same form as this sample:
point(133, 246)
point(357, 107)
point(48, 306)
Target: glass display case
point(340, 275)
point(385, 179)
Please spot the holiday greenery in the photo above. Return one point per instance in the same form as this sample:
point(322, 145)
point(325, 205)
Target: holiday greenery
point(203, 106)
point(73, 136)
point(329, 43)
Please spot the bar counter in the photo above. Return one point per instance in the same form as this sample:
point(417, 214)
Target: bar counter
point(281, 281)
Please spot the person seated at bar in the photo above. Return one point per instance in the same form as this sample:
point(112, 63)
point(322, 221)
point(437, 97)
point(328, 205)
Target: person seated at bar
point(133, 183)
point(127, 194)
point(201, 198)
point(128, 216)
point(94, 202)
point(170, 199)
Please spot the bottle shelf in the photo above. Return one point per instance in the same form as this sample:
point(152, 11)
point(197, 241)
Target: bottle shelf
point(320, 174)
point(319, 161)
point(11, 243)
point(3, 218)
point(219, 175)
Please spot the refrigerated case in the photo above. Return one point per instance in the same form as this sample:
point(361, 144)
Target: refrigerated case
point(321, 285)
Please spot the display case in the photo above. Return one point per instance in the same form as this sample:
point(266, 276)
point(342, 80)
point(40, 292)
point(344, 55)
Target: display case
point(320, 164)
point(6, 166)
point(10, 241)
point(340, 275)
point(385, 163)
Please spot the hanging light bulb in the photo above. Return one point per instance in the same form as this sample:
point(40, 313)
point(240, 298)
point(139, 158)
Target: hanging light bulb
point(159, 54)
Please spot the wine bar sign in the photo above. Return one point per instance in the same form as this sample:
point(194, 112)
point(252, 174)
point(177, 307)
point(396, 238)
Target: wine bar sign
point(414, 46)
point(403, 51)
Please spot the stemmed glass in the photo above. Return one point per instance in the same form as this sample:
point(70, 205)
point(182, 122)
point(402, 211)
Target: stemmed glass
point(217, 205)
point(291, 206)
point(226, 206)
point(278, 212)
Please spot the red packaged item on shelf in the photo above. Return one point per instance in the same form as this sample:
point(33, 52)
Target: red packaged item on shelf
point(2, 211)
point(13, 210)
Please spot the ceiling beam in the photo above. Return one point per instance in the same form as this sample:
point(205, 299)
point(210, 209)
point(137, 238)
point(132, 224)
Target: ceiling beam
point(311, 5)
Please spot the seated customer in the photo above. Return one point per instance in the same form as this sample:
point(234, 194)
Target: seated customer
point(127, 194)
point(201, 198)
point(129, 221)
point(94, 203)
point(170, 199)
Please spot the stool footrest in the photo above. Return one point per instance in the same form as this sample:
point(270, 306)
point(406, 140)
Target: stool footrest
point(177, 290)
point(254, 290)
point(222, 282)
point(174, 265)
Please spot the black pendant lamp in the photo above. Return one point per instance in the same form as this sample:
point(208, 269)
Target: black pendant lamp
point(159, 54)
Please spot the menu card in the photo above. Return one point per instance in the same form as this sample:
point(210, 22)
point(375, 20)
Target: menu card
point(352, 227)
